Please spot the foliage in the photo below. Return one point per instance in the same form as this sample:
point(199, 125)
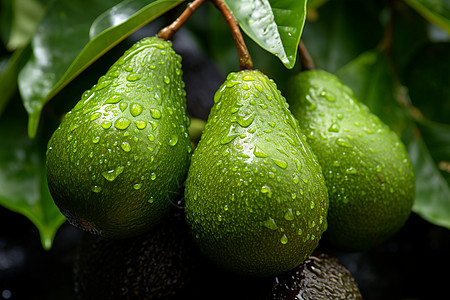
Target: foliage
point(397, 63)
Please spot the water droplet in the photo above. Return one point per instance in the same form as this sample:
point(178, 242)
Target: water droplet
point(140, 124)
point(106, 124)
point(300, 231)
point(351, 170)
point(126, 146)
point(284, 239)
point(102, 84)
point(96, 139)
point(342, 142)
point(173, 140)
point(123, 106)
point(270, 223)
point(135, 109)
point(334, 127)
point(166, 79)
point(279, 162)
point(122, 123)
point(95, 115)
point(312, 205)
point(153, 176)
point(258, 152)
point(246, 120)
point(289, 216)
point(113, 99)
point(155, 113)
point(137, 186)
point(112, 174)
point(96, 189)
point(228, 138)
point(265, 189)
point(134, 77)
point(272, 124)
point(151, 137)
point(150, 200)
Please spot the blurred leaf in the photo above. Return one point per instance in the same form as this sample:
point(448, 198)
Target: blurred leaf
point(25, 15)
point(313, 4)
point(428, 79)
point(335, 36)
point(432, 190)
point(62, 50)
point(22, 178)
point(275, 25)
point(8, 77)
point(436, 11)
point(437, 138)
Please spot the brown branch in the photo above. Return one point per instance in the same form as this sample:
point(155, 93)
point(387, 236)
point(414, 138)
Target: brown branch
point(306, 60)
point(245, 61)
point(167, 32)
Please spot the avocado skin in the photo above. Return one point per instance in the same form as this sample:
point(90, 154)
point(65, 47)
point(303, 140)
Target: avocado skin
point(120, 156)
point(320, 277)
point(256, 201)
point(368, 173)
point(158, 264)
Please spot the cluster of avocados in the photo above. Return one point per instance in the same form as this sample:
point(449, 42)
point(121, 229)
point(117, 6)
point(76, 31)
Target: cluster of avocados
point(265, 182)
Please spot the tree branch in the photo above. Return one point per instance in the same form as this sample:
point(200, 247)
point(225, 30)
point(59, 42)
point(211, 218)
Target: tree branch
point(167, 32)
point(245, 61)
point(306, 60)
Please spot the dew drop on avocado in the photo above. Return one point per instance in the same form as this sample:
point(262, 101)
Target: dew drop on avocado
point(140, 124)
point(284, 239)
point(279, 162)
point(106, 124)
point(126, 146)
point(135, 109)
point(122, 123)
point(173, 140)
point(96, 189)
point(134, 77)
point(112, 174)
point(155, 113)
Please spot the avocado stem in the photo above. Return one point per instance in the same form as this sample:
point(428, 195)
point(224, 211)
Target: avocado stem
point(306, 60)
point(245, 60)
point(167, 32)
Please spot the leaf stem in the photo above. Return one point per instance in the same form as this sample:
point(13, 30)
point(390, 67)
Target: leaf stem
point(167, 32)
point(245, 61)
point(306, 60)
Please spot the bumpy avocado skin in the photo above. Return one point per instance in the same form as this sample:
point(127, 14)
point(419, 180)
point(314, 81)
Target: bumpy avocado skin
point(158, 264)
point(121, 154)
point(256, 199)
point(368, 173)
point(320, 277)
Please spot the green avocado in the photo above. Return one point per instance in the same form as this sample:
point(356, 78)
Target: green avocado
point(256, 200)
point(120, 156)
point(367, 170)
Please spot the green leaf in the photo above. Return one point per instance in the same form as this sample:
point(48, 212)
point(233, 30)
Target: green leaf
point(334, 37)
point(432, 190)
point(25, 15)
point(8, 78)
point(62, 49)
point(435, 11)
point(22, 176)
point(427, 78)
point(275, 25)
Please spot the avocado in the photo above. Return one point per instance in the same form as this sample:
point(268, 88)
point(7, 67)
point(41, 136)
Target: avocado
point(120, 156)
point(256, 200)
point(367, 169)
